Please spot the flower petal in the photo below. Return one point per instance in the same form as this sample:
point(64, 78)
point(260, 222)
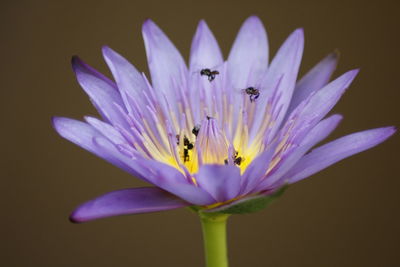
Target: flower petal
point(221, 181)
point(318, 104)
point(129, 81)
point(126, 201)
point(106, 129)
point(167, 67)
point(171, 180)
point(160, 175)
point(328, 154)
point(248, 59)
point(315, 79)
point(102, 92)
point(283, 70)
point(256, 170)
point(205, 51)
point(322, 130)
point(324, 100)
point(316, 135)
point(77, 132)
point(84, 135)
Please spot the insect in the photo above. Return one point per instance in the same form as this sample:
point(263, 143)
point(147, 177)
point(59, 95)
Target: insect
point(186, 142)
point(187, 145)
point(252, 92)
point(196, 130)
point(209, 73)
point(236, 160)
point(185, 155)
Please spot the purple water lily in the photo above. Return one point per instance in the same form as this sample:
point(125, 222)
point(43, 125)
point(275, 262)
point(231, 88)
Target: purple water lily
point(215, 134)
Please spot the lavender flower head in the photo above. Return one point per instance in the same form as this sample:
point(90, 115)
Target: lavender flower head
point(217, 134)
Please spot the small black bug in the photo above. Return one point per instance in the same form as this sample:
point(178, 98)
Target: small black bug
point(196, 130)
point(209, 73)
point(252, 92)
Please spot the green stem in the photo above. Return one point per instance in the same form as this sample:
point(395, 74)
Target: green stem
point(214, 235)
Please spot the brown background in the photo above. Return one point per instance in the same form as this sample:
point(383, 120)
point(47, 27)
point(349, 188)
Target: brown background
point(347, 215)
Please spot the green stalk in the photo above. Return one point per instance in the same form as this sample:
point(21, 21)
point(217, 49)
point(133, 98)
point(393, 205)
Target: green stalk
point(214, 235)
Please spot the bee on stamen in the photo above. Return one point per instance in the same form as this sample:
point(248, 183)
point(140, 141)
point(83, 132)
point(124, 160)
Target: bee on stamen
point(187, 145)
point(252, 92)
point(209, 73)
point(196, 130)
point(186, 157)
point(236, 160)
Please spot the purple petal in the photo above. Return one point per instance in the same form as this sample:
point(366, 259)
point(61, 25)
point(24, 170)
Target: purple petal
point(318, 133)
point(221, 181)
point(129, 81)
point(325, 99)
point(205, 51)
point(256, 170)
point(106, 129)
point(77, 132)
point(167, 67)
point(126, 201)
point(328, 154)
point(158, 174)
point(322, 130)
point(85, 136)
point(102, 91)
point(315, 79)
point(173, 181)
point(317, 105)
point(248, 59)
point(283, 70)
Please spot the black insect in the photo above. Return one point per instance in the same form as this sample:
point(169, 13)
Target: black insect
point(252, 92)
point(196, 130)
point(187, 145)
point(185, 155)
point(209, 73)
point(186, 142)
point(236, 160)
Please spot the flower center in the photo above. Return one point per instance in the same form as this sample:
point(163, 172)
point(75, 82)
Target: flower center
point(212, 123)
point(208, 144)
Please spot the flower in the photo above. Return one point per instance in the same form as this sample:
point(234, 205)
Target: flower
point(216, 134)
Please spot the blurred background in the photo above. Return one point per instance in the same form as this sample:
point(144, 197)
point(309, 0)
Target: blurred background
point(347, 215)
